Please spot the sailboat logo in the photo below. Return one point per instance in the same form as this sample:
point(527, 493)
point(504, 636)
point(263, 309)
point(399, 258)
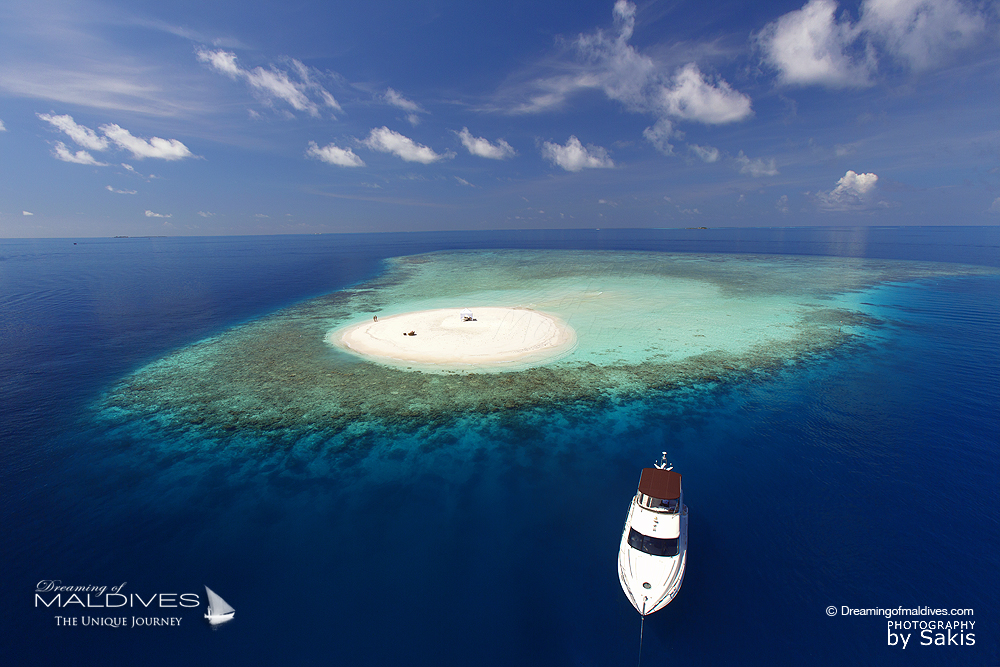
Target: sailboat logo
point(219, 610)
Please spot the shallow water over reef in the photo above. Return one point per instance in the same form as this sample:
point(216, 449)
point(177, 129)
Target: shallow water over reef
point(646, 322)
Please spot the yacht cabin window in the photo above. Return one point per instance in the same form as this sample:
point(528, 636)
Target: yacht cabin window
point(654, 546)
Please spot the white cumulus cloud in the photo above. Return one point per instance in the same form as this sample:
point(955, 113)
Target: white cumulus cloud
point(756, 166)
point(809, 46)
point(574, 156)
point(155, 147)
point(294, 87)
point(3, 128)
point(61, 152)
point(921, 32)
point(332, 154)
point(166, 149)
point(482, 147)
point(26, 213)
point(384, 140)
point(705, 153)
point(150, 214)
point(120, 192)
point(659, 135)
point(692, 97)
point(222, 61)
point(812, 45)
point(393, 98)
point(854, 191)
point(609, 63)
point(83, 136)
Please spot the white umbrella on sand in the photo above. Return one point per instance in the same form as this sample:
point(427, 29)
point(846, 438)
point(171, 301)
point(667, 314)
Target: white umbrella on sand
point(466, 315)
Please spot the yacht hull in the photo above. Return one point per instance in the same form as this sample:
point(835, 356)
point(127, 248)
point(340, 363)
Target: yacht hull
point(651, 582)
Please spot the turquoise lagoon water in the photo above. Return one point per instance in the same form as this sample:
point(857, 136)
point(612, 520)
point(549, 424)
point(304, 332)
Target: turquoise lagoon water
point(645, 322)
point(178, 419)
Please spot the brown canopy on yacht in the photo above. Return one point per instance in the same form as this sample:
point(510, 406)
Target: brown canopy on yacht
point(662, 484)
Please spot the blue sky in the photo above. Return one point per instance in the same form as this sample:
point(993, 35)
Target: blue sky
point(206, 118)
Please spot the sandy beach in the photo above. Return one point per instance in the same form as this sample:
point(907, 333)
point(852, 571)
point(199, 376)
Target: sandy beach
point(497, 339)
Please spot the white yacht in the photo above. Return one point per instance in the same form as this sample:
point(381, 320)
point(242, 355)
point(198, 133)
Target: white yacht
point(653, 551)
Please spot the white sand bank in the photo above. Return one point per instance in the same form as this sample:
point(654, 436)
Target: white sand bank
point(498, 339)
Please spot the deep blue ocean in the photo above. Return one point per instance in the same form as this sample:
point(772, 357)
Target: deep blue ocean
point(864, 478)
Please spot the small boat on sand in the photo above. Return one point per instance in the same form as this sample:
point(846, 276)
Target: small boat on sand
point(653, 551)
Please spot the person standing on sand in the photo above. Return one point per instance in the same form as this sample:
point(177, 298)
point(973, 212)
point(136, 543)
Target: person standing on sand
point(375, 318)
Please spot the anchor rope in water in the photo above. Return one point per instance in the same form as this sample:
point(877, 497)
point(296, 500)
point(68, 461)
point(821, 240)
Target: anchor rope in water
point(642, 624)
